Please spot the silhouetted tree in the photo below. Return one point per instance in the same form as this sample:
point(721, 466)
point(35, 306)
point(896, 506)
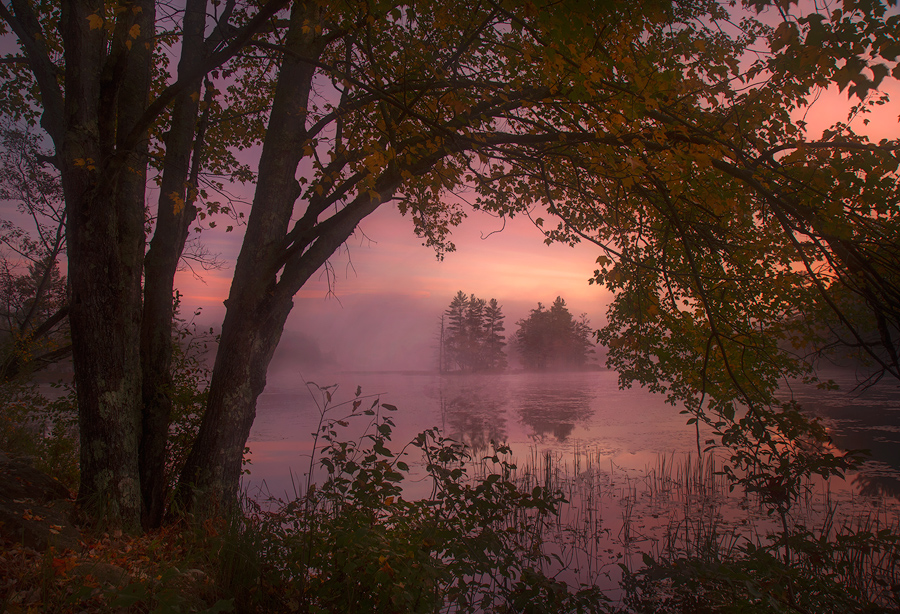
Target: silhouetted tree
point(553, 339)
point(33, 308)
point(473, 339)
point(495, 356)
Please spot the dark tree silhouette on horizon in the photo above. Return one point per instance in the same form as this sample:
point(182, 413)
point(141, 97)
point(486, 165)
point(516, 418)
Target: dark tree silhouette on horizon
point(553, 339)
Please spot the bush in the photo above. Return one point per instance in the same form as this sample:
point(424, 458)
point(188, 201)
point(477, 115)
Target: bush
point(354, 544)
point(44, 430)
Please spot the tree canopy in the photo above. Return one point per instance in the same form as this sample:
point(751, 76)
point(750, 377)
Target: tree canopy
point(552, 339)
point(661, 131)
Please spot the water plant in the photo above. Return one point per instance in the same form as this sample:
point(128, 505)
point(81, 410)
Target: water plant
point(551, 534)
point(354, 543)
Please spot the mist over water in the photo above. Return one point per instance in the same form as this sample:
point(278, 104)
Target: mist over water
point(533, 412)
point(388, 346)
point(540, 413)
point(382, 332)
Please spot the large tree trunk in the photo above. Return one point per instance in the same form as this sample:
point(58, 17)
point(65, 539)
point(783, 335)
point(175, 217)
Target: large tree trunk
point(256, 307)
point(104, 192)
point(176, 212)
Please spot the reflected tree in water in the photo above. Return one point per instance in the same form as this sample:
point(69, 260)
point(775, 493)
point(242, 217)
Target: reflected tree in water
point(554, 413)
point(473, 412)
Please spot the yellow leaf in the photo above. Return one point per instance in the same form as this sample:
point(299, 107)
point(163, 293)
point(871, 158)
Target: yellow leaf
point(95, 21)
point(177, 202)
point(128, 45)
point(134, 31)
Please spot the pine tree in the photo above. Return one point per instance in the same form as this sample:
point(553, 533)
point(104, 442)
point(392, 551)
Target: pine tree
point(473, 355)
point(473, 335)
point(493, 336)
point(456, 327)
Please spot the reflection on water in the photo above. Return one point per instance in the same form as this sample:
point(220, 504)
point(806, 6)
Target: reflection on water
point(474, 411)
point(559, 413)
point(553, 412)
point(862, 419)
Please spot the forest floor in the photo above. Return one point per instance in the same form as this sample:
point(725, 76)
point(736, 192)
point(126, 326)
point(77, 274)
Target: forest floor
point(49, 562)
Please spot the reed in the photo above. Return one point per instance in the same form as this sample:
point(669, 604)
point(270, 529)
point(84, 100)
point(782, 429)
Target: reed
point(563, 532)
point(616, 523)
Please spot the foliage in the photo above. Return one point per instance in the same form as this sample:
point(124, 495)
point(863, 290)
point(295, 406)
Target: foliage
point(553, 339)
point(479, 541)
point(163, 572)
point(663, 132)
point(45, 430)
point(190, 388)
point(32, 288)
point(473, 339)
point(842, 574)
point(353, 543)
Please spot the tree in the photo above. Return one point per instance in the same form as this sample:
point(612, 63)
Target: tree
point(495, 356)
point(33, 301)
point(456, 329)
point(474, 345)
point(764, 250)
point(553, 339)
point(474, 339)
point(639, 127)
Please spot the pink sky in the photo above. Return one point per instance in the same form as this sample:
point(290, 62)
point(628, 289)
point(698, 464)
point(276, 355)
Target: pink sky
point(389, 292)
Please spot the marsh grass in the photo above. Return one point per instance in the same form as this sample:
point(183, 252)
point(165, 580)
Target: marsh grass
point(677, 537)
point(556, 533)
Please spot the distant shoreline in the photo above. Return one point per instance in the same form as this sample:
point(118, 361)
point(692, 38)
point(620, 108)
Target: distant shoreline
point(587, 369)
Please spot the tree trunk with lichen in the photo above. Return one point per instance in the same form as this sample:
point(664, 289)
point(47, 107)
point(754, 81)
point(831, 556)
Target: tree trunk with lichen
point(104, 190)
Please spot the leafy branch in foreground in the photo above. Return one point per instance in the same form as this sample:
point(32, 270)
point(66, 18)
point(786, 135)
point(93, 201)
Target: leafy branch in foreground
point(354, 543)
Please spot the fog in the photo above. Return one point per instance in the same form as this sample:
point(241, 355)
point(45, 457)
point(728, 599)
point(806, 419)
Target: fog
point(383, 332)
point(378, 304)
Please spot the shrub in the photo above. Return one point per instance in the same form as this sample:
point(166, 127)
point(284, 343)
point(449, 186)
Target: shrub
point(355, 544)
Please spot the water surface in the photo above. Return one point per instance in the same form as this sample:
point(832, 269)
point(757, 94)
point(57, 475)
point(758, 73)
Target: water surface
point(537, 413)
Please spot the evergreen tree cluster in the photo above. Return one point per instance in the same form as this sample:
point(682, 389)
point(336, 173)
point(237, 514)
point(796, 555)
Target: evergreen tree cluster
point(553, 339)
point(473, 339)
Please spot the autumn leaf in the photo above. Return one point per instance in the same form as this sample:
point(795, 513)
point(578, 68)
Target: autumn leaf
point(177, 202)
point(95, 21)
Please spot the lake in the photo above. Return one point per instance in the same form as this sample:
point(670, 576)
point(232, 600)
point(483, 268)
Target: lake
point(626, 460)
point(559, 413)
